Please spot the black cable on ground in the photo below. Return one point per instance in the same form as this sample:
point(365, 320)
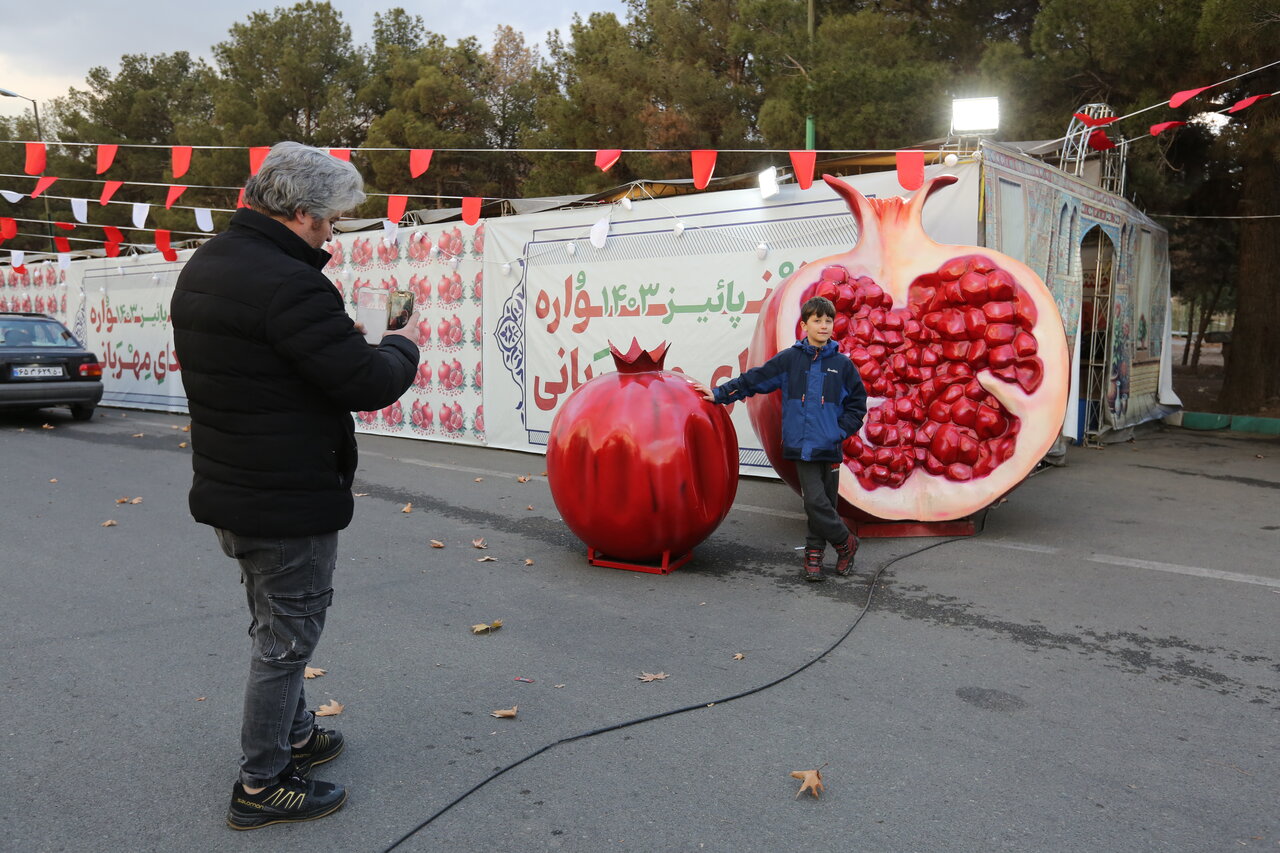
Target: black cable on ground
point(651, 717)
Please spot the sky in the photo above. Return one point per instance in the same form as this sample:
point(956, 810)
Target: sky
point(46, 48)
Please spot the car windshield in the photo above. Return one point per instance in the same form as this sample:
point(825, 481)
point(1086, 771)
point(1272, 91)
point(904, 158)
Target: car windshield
point(34, 332)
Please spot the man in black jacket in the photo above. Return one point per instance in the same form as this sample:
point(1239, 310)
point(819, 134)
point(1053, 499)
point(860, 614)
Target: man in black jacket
point(273, 367)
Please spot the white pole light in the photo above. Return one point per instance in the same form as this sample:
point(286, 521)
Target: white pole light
point(975, 115)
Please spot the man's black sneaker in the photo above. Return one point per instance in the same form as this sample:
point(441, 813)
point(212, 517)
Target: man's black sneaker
point(292, 798)
point(324, 745)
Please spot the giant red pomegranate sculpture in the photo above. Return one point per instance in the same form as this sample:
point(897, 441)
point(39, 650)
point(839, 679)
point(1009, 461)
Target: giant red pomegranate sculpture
point(962, 352)
point(640, 466)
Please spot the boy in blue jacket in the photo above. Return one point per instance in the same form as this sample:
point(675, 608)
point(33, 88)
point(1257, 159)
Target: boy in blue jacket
point(823, 403)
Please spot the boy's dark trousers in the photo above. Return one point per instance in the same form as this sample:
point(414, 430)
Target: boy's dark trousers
point(819, 487)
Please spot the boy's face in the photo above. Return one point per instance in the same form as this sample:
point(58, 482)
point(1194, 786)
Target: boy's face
point(818, 329)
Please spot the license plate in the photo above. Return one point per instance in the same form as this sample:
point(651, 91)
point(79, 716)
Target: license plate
point(36, 372)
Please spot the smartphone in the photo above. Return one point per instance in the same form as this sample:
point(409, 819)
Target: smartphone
point(399, 309)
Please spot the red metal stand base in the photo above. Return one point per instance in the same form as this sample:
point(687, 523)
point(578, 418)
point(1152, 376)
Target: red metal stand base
point(666, 567)
point(903, 529)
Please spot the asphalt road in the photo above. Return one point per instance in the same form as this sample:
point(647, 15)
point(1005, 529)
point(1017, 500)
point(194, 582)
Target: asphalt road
point(1097, 670)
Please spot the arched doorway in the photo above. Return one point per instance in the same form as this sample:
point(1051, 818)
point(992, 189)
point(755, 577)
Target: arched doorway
point(1098, 270)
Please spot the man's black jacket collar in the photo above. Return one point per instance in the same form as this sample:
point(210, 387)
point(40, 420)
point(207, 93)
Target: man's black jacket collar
point(280, 234)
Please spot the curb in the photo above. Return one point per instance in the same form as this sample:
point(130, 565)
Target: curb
point(1235, 423)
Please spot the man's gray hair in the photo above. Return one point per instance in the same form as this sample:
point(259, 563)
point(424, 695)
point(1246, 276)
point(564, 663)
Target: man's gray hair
point(296, 177)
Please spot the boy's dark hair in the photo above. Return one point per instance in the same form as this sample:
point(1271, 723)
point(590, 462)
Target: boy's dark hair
point(819, 305)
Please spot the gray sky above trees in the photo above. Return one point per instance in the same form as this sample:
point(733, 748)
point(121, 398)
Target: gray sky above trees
point(46, 49)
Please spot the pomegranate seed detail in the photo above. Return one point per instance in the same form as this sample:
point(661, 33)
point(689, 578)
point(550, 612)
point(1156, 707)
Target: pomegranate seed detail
point(921, 362)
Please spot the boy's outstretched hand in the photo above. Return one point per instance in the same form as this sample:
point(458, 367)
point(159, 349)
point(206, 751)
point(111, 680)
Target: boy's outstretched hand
point(704, 391)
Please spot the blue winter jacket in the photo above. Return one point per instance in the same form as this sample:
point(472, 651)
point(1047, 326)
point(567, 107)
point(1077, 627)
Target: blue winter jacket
point(823, 401)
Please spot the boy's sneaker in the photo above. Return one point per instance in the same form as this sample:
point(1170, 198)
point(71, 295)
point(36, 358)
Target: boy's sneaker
point(292, 798)
point(844, 556)
point(813, 565)
point(323, 745)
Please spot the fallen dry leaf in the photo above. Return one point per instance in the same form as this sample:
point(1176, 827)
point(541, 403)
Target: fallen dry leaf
point(54, 480)
point(530, 506)
point(136, 501)
point(557, 686)
point(47, 426)
point(139, 434)
point(407, 508)
point(486, 627)
point(122, 500)
point(436, 543)
point(108, 523)
point(652, 676)
point(478, 543)
point(173, 426)
point(330, 709)
point(182, 444)
point(528, 562)
point(812, 781)
point(739, 656)
point(187, 428)
point(313, 672)
point(544, 473)
point(505, 713)
point(359, 494)
point(479, 479)
point(487, 560)
point(200, 698)
point(526, 478)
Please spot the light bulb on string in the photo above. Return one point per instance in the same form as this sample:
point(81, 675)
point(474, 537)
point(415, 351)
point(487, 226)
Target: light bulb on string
point(762, 250)
point(571, 248)
point(506, 269)
point(678, 228)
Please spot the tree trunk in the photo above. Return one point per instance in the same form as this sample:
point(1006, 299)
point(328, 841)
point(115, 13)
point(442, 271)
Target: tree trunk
point(1186, 347)
point(1207, 310)
point(1253, 374)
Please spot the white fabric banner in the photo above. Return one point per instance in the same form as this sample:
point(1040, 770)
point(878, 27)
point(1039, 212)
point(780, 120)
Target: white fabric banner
point(564, 301)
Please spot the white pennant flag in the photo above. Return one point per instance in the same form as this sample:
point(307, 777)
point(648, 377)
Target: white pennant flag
point(204, 219)
point(389, 230)
point(600, 232)
point(64, 260)
point(140, 210)
point(11, 196)
point(80, 209)
point(16, 257)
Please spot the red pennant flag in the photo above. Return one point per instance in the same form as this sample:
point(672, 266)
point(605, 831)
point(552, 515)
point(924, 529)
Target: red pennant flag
point(1090, 121)
point(419, 161)
point(256, 156)
point(174, 192)
point(240, 200)
point(1185, 95)
point(704, 164)
point(65, 226)
point(471, 210)
point(114, 234)
point(341, 153)
point(106, 156)
point(1099, 141)
point(62, 244)
point(606, 157)
point(113, 249)
point(181, 160)
point(1157, 129)
point(21, 269)
point(395, 207)
point(162, 243)
point(802, 164)
point(910, 169)
point(109, 190)
point(8, 228)
point(42, 185)
point(1247, 102)
point(35, 158)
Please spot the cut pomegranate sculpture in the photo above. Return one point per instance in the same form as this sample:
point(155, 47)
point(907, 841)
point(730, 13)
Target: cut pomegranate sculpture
point(640, 466)
point(962, 352)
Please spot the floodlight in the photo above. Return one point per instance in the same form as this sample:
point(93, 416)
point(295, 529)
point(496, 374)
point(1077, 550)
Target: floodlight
point(971, 116)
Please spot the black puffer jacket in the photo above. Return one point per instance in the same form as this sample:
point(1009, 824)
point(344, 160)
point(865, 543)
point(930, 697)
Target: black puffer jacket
point(273, 368)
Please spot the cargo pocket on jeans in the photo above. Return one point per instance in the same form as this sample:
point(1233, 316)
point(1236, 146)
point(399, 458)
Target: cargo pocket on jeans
point(297, 621)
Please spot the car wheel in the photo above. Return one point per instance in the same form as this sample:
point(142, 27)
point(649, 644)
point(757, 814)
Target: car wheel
point(81, 411)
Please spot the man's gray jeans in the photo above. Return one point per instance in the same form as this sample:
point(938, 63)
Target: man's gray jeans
point(289, 586)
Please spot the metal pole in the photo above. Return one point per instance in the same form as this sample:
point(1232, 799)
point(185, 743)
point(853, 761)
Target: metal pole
point(35, 108)
point(810, 131)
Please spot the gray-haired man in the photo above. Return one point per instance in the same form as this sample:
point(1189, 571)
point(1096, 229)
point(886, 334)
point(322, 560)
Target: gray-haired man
point(273, 367)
